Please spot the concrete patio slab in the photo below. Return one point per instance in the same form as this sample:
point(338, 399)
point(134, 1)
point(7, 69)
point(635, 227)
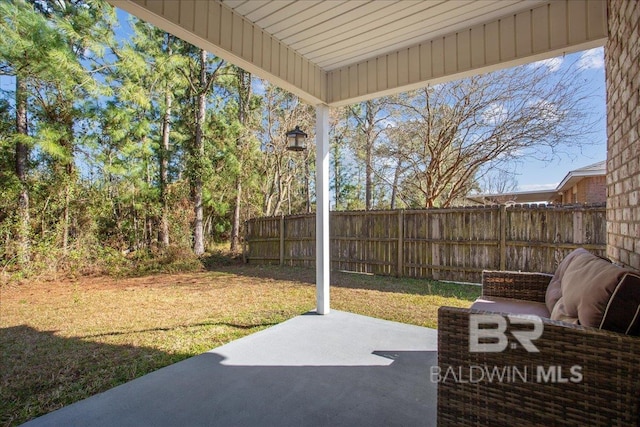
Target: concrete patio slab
point(340, 369)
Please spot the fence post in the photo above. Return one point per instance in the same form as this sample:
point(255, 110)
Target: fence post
point(281, 239)
point(400, 270)
point(578, 231)
point(244, 242)
point(503, 237)
point(433, 222)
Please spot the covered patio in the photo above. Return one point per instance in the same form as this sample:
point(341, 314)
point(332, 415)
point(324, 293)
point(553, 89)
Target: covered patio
point(344, 369)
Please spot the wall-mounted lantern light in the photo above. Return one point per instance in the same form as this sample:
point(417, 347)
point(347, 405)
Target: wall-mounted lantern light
point(296, 140)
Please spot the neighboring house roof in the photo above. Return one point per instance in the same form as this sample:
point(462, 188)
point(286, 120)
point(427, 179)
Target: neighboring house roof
point(573, 177)
point(514, 196)
point(543, 196)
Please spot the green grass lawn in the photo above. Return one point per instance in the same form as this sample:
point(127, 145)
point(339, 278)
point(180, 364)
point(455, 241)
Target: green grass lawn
point(62, 341)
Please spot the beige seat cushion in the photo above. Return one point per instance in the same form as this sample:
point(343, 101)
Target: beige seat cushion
point(554, 292)
point(596, 293)
point(510, 305)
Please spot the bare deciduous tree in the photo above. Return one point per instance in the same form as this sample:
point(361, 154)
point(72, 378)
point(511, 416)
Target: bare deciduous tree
point(498, 181)
point(453, 133)
point(369, 122)
point(285, 174)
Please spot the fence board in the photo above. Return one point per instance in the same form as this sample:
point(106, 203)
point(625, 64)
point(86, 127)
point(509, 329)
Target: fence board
point(447, 244)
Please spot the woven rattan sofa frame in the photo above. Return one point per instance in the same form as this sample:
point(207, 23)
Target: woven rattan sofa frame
point(607, 395)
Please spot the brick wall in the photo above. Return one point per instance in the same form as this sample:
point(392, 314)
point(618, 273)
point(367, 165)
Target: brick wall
point(581, 193)
point(622, 62)
point(588, 190)
point(595, 189)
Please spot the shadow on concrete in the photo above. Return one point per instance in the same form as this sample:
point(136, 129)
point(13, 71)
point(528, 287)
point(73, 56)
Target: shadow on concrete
point(204, 391)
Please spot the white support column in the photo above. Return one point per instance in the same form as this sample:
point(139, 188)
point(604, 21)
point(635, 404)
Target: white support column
point(323, 262)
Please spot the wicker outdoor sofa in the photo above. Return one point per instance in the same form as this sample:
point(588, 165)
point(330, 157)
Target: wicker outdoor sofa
point(581, 375)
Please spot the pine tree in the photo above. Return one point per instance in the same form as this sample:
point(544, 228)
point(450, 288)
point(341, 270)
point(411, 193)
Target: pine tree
point(25, 41)
point(68, 88)
point(244, 108)
point(202, 74)
point(148, 72)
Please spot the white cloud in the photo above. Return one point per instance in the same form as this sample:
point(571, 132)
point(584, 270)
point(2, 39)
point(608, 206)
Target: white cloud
point(552, 64)
point(592, 59)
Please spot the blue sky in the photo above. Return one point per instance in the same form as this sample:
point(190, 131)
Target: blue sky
point(533, 174)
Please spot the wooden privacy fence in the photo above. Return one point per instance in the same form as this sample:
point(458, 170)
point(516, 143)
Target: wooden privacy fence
point(445, 244)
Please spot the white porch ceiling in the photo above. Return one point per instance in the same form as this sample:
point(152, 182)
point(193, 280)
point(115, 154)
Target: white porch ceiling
point(337, 52)
point(333, 34)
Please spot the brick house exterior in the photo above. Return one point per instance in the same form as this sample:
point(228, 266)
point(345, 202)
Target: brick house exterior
point(622, 65)
point(589, 190)
point(584, 185)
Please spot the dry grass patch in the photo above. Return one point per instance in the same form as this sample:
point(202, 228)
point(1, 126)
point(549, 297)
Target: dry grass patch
point(64, 341)
point(414, 301)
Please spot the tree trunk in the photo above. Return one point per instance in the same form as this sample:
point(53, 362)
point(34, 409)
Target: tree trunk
point(268, 200)
point(244, 96)
point(67, 145)
point(368, 185)
point(368, 175)
point(288, 197)
point(396, 179)
point(235, 229)
point(21, 160)
point(198, 230)
point(307, 182)
point(149, 219)
point(336, 175)
point(66, 217)
point(163, 232)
